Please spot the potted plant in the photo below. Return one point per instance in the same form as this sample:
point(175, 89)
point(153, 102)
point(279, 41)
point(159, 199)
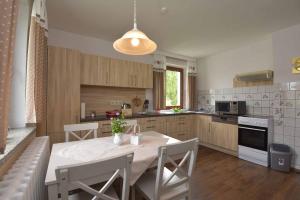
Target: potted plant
point(118, 126)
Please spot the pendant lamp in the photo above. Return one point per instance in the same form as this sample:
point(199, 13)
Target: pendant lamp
point(135, 42)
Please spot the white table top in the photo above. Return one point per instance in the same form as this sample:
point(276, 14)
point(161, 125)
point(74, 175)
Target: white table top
point(103, 148)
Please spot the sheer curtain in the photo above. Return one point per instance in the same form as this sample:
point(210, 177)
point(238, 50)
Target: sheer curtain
point(36, 82)
point(8, 17)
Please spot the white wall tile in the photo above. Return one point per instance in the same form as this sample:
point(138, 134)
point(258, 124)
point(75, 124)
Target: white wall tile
point(289, 103)
point(288, 94)
point(266, 96)
point(265, 111)
point(289, 122)
point(257, 104)
point(278, 138)
point(297, 94)
point(297, 122)
point(257, 111)
point(297, 141)
point(265, 103)
point(289, 113)
point(297, 104)
point(288, 140)
point(297, 113)
point(289, 131)
point(257, 96)
point(297, 132)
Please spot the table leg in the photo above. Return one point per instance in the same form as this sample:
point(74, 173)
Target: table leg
point(52, 192)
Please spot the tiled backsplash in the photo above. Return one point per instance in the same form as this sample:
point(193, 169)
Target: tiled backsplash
point(282, 101)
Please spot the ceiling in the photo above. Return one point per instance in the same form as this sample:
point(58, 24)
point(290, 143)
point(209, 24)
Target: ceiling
point(193, 28)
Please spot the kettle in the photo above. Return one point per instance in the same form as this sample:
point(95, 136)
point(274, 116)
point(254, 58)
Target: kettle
point(125, 106)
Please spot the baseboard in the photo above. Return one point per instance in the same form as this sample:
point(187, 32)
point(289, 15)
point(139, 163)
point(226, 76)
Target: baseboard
point(227, 151)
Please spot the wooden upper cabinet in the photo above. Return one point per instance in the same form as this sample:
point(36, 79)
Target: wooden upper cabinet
point(103, 71)
point(95, 70)
point(63, 99)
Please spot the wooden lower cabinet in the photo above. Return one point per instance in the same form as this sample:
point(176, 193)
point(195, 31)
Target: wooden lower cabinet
point(215, 134)
point(157, 124)
point(224, 135)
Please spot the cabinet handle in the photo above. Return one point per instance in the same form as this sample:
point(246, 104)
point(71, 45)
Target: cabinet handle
point(106, 132)
point(150, 127)
point(151, 120)
point(209, 127)
point(182, 123)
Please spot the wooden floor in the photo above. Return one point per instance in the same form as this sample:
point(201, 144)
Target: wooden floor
point(221, 176)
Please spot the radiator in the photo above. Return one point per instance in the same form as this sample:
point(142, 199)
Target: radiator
point(25, 180)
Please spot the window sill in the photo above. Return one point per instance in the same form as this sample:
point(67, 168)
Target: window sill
point(15, 138)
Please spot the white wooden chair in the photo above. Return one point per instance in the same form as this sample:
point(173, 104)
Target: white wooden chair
point(130, 124)
point(73, 176)
point(74, 129)
point(164, 184)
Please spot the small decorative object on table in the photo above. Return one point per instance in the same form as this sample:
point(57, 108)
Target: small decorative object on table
point(136, 137)
point(118, 126)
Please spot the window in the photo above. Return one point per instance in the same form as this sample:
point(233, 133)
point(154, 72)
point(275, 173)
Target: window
point(174, 87)
point(17, 104)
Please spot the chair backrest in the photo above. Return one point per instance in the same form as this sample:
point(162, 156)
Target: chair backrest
point(186, 152)
point(77, 129)
point(74, 176)
point(130, 124)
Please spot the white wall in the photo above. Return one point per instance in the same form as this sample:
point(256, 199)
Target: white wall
point(218, 71)
point(91, 45)
point(17, 107)
point(286, 46)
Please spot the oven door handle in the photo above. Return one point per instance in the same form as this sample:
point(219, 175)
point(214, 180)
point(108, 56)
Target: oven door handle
point(255, 129)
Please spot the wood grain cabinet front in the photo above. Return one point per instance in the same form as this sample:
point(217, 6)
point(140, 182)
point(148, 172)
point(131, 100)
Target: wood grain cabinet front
point(63, 93)
point(104, 71)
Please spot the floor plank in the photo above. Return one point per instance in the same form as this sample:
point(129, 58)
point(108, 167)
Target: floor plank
point(221, 176)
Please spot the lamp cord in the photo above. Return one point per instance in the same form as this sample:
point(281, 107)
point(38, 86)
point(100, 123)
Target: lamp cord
point(134, 15)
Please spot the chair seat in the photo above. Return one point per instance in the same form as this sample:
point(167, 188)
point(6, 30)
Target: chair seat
point(146, 184)
point(86, 196)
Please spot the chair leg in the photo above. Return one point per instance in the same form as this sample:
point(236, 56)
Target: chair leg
point(132, 192)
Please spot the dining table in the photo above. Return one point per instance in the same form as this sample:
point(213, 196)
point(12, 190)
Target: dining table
point(78, 152)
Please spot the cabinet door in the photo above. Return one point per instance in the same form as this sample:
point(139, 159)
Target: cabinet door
point(94, 70)
point(232, 137)
point(225, 135)
point(218, 134)
point(103, 71)
point(119, 73)
point(63, 99)
point(148, 76)
point(203, 128)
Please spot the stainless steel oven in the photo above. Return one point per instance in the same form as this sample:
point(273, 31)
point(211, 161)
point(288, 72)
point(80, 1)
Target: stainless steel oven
point(254, 137)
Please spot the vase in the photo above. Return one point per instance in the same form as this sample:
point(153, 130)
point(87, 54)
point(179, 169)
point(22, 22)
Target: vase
point(136, 139)
point(118, 138)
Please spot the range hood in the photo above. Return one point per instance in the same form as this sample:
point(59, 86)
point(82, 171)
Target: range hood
point(265, 75)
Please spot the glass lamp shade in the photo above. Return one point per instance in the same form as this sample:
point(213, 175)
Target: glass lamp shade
point(134, 42)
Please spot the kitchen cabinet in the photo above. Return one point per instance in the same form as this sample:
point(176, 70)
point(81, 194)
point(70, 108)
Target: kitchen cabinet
point(181, 127)
point(63, 94)
point(224, 135)
point(203, 125)
point(95, 70)
point(104, 71)
point(157, 124)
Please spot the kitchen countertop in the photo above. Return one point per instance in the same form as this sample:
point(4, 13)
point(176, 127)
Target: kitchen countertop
point(146, 115)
